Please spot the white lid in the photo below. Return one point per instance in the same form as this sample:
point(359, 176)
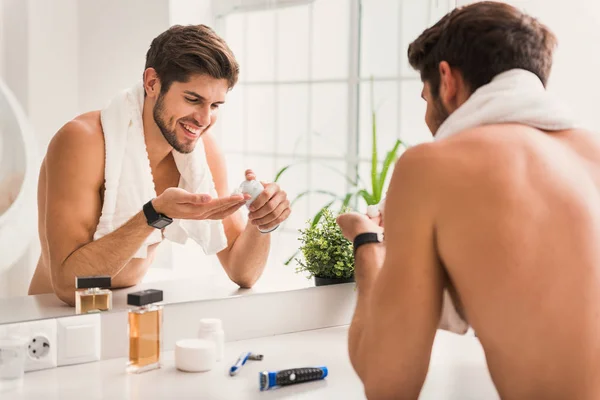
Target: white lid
point(210, 324)
point(195, 355)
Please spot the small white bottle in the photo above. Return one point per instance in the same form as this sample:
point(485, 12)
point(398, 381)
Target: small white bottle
point(212, 329)
point(253, 188)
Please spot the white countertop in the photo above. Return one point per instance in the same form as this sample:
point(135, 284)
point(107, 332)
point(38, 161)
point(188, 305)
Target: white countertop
point(457, 371)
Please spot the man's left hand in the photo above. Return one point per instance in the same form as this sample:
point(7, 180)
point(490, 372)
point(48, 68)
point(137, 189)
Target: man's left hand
point(270, 208)
point(353, 224)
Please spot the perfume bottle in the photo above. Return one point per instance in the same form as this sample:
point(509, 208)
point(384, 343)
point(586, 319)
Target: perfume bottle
point(145, 330)
point(92, 294)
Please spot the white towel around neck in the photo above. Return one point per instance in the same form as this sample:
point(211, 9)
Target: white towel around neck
point(129, 183)
point(516, 96)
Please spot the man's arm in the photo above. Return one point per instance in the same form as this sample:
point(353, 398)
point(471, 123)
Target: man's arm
point(74, 173)
point(399, 305)
point(74, 176)
point(247, 250)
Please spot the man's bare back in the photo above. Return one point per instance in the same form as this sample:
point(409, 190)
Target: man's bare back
point(518, 235)
point(90, 126)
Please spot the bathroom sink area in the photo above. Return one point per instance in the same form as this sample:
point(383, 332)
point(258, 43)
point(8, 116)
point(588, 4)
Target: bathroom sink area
point(457, 371)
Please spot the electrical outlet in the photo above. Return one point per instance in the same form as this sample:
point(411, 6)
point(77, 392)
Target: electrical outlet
point(42, 345)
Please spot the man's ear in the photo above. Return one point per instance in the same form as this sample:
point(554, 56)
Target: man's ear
point(151, 83)
point(448, 84)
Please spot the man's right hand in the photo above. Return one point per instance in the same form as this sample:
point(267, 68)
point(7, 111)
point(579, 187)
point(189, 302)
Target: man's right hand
point(181, 204)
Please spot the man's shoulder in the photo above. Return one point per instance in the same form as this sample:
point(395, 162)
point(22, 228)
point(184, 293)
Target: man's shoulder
point(78, 144)
point(83, 134)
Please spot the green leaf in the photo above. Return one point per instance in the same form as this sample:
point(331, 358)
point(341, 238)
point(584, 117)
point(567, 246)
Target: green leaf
point(318, 216)
point(306, 192)
point(289, 260)
point(367, 197)
point(281, 171)
point(374, 154)
point(390, 158)
point(347, 200)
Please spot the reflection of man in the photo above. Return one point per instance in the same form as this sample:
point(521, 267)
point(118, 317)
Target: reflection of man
point(102, 210)
point(503, 207)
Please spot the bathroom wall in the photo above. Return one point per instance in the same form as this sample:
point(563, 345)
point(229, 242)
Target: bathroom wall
point(58, 64)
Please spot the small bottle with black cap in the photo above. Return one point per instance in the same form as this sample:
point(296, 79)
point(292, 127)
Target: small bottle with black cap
point(92, 294)
point(145, 330)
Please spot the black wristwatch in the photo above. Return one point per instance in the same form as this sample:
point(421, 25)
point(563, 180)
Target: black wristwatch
point(367, 237)
point(155, 219)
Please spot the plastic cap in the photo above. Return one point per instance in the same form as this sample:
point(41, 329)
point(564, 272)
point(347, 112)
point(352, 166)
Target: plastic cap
point(210, 324)
point(88, 282)
point(195, 355)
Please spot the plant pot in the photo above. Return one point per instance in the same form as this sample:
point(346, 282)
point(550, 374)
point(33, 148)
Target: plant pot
point(332, 281)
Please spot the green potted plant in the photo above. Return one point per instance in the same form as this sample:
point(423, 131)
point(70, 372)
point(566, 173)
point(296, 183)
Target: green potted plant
point(327, 254)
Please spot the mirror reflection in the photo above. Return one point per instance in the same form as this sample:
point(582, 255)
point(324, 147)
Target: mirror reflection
point(205, 151)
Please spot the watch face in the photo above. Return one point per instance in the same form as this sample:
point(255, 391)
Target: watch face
point(161, 223)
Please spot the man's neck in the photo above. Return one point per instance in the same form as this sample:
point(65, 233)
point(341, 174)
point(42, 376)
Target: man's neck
point(156, 145)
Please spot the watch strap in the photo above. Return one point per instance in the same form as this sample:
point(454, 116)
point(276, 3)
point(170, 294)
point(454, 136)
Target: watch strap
point(365, 238)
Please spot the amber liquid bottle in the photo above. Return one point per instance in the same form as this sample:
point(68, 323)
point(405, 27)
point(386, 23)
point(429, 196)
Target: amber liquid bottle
point(145, 330)
point(92, 294)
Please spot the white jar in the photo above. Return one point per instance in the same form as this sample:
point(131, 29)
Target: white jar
point(212, 329)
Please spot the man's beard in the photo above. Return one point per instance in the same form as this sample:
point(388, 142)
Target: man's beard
point(170, 136)
point(440, 113)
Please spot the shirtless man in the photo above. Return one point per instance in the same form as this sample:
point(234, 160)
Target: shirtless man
point(507, 214)
point(181, 93)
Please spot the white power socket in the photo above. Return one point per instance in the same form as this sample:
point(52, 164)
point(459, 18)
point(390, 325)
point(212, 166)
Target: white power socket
point(41, 342)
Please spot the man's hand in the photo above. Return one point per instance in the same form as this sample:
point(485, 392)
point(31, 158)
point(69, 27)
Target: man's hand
point(353, 224)
point(181, 204)
point(270, 208)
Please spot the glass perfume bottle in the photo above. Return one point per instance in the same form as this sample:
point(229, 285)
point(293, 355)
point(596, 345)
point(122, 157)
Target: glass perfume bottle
point(145, 330)
point(92, 294)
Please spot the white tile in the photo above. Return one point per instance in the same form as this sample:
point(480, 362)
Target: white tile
point(327, 176)
point(295, 181)
point(263, 167)
point(231, 120)
point(234, 33)
point(260, 109)
point(379, 38)
point(329, 119)
point(292, 119)
point(413, 129)
point(260, 46)
point(415, 19)
point(385, 105)
point(235, 170)
point(330, 39)
point(292, 39)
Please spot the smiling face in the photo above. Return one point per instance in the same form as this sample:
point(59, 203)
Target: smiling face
point(188, 109)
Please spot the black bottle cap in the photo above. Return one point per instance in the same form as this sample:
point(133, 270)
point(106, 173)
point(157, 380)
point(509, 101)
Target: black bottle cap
point(144, 297)
point(88, 282)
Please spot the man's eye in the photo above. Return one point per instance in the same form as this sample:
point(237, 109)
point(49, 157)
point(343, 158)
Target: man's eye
point(214, 106)
point(191, 100)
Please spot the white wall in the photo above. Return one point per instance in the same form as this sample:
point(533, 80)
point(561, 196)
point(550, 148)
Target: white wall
point(577, 59)
point(114, 36)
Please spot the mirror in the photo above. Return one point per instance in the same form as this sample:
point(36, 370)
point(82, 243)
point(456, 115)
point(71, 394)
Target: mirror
point(312, 72)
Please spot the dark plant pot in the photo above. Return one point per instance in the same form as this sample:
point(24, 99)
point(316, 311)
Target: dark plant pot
point(332, 281)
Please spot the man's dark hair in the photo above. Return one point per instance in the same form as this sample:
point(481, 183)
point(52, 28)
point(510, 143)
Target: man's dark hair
point(193, 49)
point(483, 40)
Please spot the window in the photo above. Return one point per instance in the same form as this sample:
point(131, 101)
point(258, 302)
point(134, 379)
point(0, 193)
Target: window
point(304, 95)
